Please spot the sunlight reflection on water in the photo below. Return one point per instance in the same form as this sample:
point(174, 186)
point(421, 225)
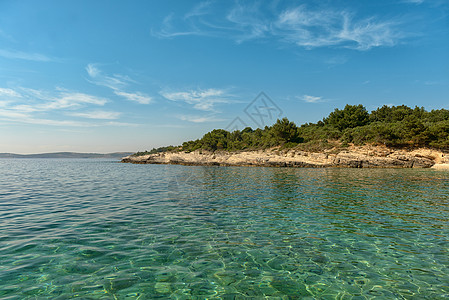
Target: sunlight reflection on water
point(98, 229)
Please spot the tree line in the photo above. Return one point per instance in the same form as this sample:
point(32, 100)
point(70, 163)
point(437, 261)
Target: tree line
point(393, 126)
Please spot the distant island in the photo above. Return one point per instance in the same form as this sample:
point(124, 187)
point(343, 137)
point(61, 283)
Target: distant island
point(391, 136)
point(115, 155)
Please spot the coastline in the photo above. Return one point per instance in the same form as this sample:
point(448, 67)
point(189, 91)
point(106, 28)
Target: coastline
point(352, 157)
point(443, 166)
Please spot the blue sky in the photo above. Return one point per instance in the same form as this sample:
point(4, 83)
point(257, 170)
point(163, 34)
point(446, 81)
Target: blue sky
point(104, 76)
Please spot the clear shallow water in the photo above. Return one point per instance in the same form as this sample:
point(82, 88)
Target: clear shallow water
point(96, 229)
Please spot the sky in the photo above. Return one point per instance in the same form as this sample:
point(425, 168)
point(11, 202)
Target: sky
point(106, 76)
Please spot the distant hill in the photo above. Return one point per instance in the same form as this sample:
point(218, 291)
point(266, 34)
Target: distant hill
point(66, 155)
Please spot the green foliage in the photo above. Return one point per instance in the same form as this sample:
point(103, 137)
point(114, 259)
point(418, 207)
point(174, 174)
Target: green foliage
point(284, 131)
point(390, 114)
point(395, 126)
point(156, 150)
point(401, 126)
point(351, 116)
point(374, 133)
point(313, 132)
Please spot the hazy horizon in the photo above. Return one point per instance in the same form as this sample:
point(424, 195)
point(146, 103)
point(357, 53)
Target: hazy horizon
point(102, 77)
point(32, 153)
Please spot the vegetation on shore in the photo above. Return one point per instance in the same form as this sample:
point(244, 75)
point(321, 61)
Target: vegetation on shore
point(395, 126)
point(156, 150)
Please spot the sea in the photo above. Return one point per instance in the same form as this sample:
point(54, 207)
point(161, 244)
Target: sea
point(100, 229)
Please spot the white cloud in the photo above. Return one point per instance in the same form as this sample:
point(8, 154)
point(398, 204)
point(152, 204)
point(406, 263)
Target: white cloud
point(26, 108)
point(117, 84)
point(72, 99)
point(92, 70)
point(249, 21)
point(298, 25)
point(25, 118)
point(114, 123)
point(414, 1)
point(200, 99)
point(7, 94)
point(200, 9)
point(137, 97)
point(168, 30)
point(99, 114)
point(198, 119)
point(31, 106)
point(311, 99)
point(97, 77)
point(312, 29)
point(54, 122)
point(24, 55)
point(39, 100)
point(169, 125)
point(13, 114)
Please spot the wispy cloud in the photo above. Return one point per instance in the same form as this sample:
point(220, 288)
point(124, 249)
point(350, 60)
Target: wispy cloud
point(413, 1)
point(136, 97)
point(8, 93)
point(312, 29)
point(311, 99)
point(198, 119)
point(120, 124)
point(298, 25)
point(248, 20)
point(68, 99)
point(33, 100)
point(31, 106)
point(8, 96)
point(201, 9)
point(169, 30)
point(169, 125)
point(98, 114)
point(25, 118)
point(97, 77)
point(13, 114)
point(10, 54)
point(204, 100)
point(117, 83)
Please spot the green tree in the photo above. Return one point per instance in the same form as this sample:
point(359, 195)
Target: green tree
point(389, 125)
point(285, 131)
point(351, 116)
point(217, 139)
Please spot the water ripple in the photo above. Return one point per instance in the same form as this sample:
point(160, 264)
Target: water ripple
point(96, 229)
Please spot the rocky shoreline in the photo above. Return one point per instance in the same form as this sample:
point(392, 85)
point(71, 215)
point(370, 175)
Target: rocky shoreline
point(352, 157)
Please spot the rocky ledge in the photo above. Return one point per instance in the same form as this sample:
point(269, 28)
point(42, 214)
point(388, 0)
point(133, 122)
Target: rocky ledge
point(352, 157)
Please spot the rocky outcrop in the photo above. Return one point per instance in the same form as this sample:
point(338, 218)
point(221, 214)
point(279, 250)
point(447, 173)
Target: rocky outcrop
point(353, 157)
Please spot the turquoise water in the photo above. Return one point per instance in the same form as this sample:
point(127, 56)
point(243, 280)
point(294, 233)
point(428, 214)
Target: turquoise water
point(97, 229)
